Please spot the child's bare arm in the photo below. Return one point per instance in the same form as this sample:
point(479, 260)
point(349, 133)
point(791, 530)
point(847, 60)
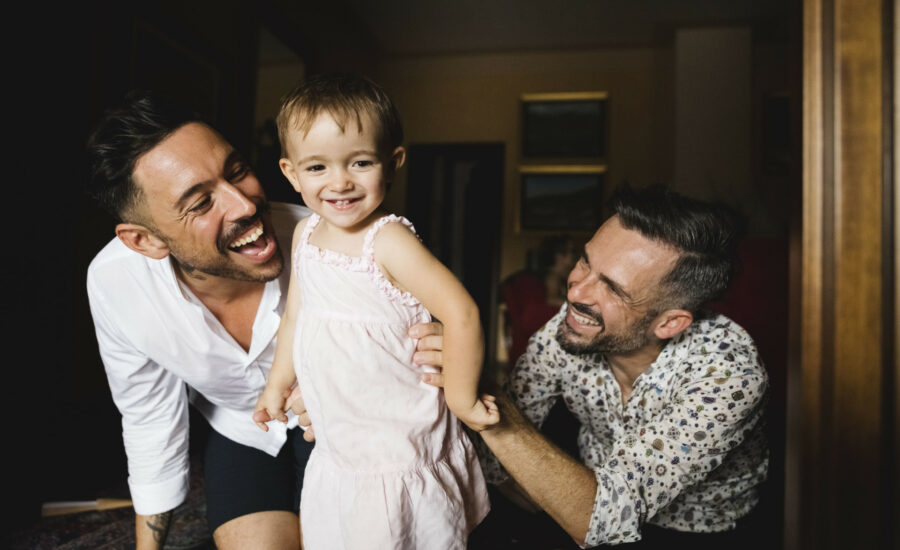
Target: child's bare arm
point(411, 267)
point(271, 403)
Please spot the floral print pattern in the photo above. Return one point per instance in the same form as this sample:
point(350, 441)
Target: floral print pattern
point(686, 451)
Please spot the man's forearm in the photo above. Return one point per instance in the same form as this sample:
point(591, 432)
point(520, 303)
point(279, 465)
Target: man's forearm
point(558, 483)
point(151, 531)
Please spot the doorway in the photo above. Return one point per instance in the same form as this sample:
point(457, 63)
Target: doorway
point(453, 198)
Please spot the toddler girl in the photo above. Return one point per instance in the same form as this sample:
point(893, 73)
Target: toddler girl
point(391, 468)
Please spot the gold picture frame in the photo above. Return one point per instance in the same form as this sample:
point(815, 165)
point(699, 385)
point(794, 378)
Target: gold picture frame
point(560, 198)
point(565, 125)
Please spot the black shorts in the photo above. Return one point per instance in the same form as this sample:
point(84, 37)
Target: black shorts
point(240, 480)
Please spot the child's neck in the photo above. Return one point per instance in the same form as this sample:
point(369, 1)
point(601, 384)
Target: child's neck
point(347, 241)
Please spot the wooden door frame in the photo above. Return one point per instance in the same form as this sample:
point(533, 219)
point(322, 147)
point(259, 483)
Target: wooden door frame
point(842, 446)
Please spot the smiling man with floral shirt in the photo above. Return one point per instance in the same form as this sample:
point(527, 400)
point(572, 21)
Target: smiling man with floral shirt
point(669, 400)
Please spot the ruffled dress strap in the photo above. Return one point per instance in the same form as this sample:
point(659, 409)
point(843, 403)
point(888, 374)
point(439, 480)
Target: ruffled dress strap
point(311, 224)
point(368, 255)
point(303, 246)
point(308, 251)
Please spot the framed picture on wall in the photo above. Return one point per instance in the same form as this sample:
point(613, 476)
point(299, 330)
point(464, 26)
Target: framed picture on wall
point(561, 198)
point(565, 125)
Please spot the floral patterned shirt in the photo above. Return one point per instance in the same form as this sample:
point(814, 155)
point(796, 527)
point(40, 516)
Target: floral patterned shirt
point(686, 451)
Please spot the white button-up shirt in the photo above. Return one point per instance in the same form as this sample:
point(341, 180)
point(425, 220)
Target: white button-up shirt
point(161, 347)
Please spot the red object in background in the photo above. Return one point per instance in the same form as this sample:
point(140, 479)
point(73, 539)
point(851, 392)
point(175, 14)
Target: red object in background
point(758, 301)
point(527, 309)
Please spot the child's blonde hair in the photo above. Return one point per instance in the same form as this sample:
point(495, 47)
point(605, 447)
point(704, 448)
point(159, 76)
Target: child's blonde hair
point(345, 97)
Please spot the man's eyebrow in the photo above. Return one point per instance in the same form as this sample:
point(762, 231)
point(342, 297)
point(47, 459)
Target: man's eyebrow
point(191, 191)
point(234, 157)
point(617, 289)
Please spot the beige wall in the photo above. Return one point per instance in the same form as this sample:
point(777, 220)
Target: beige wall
point(475, 98)
point(274, 80)
point(712, 85)
point(279, 69)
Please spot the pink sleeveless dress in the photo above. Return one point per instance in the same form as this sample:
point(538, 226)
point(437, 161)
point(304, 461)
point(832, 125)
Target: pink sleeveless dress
point(392, 468)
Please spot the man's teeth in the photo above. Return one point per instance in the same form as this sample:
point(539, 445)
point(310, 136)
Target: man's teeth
point(584, 320)
point(249, 238)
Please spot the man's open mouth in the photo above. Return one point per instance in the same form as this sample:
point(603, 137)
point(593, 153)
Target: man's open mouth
point(584, 320)
point(254, 242)
point(248, 238)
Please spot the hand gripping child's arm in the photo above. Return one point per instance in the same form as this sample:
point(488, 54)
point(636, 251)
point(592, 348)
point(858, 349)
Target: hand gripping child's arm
point(411, 267)
point(272, 403)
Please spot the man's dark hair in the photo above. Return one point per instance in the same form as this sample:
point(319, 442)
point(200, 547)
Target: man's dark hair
point(122, 135)
point(705, 234)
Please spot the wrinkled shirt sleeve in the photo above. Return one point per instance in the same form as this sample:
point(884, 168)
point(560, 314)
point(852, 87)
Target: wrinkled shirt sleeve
point(711, 412)
point(154, 407)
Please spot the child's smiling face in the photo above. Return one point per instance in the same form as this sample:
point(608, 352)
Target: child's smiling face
point(341, 174)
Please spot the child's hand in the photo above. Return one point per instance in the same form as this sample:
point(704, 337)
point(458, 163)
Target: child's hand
point(296, 404)
point(483, 415)
point(270, 406)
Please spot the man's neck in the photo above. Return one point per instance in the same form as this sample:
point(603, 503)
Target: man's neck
point(212, 288)
point(627, 367)
point(234, 303)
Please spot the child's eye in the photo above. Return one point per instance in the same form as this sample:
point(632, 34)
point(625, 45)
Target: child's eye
point(363, 163)
point(315, 168)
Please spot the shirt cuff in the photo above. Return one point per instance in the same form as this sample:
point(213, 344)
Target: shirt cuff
point(613, 521)
point(155, 498)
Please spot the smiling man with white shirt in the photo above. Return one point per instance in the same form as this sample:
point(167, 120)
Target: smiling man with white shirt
point(186, 302)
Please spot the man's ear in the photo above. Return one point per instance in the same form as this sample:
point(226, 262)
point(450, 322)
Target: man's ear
point(142, 240)
point(671, 322)
point(287, 168)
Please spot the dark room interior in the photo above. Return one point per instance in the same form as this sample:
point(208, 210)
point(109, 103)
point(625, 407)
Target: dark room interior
point(709, 97)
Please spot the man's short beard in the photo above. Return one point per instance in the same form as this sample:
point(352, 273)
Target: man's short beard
point(634, 338)
point(222, 267)
point(227, 271)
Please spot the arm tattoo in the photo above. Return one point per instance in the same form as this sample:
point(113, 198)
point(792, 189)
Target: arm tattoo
point(159, 524)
